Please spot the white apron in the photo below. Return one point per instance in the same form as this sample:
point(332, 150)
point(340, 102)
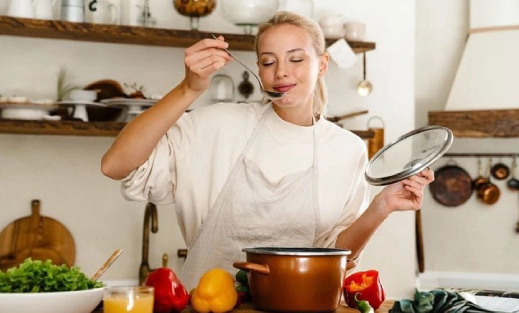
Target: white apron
point(250, 211)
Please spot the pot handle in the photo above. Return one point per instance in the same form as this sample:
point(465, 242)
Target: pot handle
point(252, 267)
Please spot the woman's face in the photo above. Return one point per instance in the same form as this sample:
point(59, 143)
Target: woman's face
point(288, 62)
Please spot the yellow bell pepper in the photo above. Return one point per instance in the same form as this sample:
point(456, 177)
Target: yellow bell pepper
point(215, 292)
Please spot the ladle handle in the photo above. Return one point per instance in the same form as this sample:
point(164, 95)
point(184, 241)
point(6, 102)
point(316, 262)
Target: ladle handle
point(107, 264)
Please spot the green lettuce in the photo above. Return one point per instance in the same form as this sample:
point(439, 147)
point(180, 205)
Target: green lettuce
point(43, 276)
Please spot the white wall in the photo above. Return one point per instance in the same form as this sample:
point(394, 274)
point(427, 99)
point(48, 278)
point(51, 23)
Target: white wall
point(471, 238)
point(64, 171)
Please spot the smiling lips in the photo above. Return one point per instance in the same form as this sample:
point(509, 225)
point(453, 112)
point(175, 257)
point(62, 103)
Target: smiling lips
point(284, 87)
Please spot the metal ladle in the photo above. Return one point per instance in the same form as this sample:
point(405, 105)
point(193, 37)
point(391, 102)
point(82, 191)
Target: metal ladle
point(513, 183)
point(271, 95)
point(365, 87)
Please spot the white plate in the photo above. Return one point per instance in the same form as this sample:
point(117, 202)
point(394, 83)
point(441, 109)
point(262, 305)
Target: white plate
point(129, 102)
point(79, 102)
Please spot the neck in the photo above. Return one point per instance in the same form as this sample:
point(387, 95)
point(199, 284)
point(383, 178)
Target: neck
point(296, 115)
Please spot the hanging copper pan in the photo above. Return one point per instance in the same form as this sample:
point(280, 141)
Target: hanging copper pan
point(452, 185)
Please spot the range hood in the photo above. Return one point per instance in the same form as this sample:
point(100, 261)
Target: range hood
point(488, 74)
point(484, 97)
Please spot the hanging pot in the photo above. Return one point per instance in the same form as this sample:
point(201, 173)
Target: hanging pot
point(488, 192)
point(500, 171)
point(452, 185)
point(481, 179)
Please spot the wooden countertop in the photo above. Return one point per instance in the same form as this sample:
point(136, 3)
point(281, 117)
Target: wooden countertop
point(247, 308)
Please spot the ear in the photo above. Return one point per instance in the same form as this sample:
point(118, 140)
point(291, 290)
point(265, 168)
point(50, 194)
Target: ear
point(323, 64)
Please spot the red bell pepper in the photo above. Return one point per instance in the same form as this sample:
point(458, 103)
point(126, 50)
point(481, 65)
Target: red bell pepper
point(367, 286)
point(170, 295)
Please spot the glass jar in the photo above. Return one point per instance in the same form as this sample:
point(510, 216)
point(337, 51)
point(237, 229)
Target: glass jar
point(248, 13)
point(221, 88)
point(194, 9)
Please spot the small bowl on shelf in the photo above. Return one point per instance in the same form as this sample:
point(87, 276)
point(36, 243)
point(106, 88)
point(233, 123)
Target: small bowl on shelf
point(194, 9)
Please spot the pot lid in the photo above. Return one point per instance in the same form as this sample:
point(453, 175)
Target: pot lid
point(408, 155)
point(299, 251)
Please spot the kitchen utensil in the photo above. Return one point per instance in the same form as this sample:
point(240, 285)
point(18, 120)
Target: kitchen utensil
point(271, 95)
point(107, 264)
point(481, 179)
point(295, 279)
point(452, 185)
point(488, 192)
point(513, 183)
point(365, 87)
point(408, 155)
point(500, 171)
point(377, 142)
point(37, 237)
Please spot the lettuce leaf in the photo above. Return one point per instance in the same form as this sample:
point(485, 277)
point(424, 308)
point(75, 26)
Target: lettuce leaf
point(43, 276)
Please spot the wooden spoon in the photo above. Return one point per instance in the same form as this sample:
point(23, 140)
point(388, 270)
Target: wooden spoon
point(107, 264)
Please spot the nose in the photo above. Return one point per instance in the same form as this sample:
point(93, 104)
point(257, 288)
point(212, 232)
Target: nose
point(282, 69)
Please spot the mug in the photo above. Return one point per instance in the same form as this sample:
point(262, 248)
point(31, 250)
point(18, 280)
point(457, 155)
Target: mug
point(44, 9)
point(21, 8)
point(72, 11)
point(101, 12)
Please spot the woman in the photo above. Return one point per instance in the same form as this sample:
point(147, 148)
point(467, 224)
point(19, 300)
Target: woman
point(245, 175)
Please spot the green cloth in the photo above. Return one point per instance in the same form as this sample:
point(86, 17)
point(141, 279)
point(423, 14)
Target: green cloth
point(437, 301)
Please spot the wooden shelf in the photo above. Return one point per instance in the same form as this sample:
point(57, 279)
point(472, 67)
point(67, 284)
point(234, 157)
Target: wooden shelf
point(79, 128)
point(68, 128)
point(478, 124)
point(55, 29)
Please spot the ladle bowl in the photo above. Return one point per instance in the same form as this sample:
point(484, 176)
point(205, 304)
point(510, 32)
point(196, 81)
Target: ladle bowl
point(271, 95)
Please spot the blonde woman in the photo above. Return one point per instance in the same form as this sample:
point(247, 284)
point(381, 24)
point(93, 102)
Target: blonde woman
point(260, 174)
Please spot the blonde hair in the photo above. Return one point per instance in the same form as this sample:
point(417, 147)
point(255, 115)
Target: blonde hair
point(319, 43)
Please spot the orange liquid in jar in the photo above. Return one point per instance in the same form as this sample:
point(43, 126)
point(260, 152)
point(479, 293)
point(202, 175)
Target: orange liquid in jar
point(121, 304)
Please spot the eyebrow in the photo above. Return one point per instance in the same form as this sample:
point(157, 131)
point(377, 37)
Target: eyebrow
point(289, 51)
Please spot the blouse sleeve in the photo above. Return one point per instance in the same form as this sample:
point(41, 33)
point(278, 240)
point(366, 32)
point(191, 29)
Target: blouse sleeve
point(357, 203)
point(155, 179)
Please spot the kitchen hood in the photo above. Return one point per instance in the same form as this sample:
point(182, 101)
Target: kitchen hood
point(488, 75)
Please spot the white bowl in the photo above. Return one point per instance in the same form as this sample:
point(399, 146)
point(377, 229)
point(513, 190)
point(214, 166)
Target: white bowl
point(82, 301)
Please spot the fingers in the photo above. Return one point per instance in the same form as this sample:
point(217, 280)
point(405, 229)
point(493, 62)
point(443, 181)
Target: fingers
point(206, 56)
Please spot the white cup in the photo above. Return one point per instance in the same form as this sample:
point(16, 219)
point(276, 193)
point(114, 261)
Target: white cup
point(354, 31)
point(21, 8)
point(102, 12)
point(73, 11)
point(332, 26)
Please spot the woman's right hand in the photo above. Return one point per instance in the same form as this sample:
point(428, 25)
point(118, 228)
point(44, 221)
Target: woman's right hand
point(203, 59)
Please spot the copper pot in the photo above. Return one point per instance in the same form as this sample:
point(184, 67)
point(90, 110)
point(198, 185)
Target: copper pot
point(295, 279)
point(488, 193)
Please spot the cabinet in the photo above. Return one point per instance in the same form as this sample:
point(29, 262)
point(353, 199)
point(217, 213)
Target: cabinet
point(54, 29)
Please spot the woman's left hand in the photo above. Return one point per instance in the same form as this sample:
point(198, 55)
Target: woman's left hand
point(406, 194)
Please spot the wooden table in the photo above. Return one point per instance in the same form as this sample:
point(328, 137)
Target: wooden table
point(247, 308)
